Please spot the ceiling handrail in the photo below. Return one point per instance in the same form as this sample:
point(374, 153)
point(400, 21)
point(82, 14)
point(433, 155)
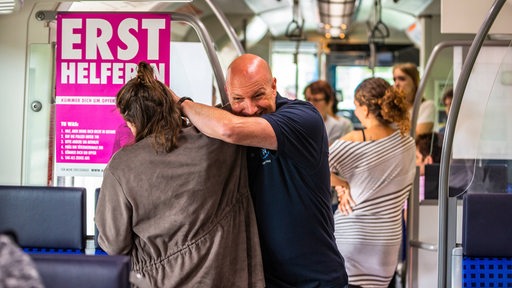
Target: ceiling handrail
point(227, 27)
point(209, 47)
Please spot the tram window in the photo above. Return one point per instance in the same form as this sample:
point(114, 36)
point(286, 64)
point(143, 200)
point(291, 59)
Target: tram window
point(291, 81)
point(346, 80)
point(348, 77)
point(293, 76)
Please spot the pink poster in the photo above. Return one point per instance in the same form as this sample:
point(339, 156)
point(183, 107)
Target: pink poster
point(97, 53)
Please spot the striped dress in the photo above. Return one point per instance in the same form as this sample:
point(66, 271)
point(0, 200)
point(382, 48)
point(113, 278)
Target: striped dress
point(380, 174)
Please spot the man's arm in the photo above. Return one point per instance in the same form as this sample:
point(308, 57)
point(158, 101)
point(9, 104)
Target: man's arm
point(220, 124)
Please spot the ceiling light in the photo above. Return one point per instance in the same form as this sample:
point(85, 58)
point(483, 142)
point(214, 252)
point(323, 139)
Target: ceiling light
point(336, 12)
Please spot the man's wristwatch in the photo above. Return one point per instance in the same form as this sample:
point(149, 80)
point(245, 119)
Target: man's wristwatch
point(183, 99)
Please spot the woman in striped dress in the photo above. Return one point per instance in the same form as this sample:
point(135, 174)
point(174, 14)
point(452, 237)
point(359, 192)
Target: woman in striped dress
point(373, 171)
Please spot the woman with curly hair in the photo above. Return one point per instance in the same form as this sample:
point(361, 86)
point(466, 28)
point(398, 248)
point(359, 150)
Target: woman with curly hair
point(373, 172)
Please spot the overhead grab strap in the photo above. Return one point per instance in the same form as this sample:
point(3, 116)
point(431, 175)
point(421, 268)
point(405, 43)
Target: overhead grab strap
point(294, 29)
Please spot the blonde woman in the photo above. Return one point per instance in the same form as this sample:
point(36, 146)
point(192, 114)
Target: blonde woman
point(407, 78)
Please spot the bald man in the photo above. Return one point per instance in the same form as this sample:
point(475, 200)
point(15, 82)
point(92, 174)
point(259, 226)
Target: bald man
point(288, 173)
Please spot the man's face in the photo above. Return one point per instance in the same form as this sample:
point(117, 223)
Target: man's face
point(420, 162)
point(319, 101)
point(447, 104)
point(252, 98)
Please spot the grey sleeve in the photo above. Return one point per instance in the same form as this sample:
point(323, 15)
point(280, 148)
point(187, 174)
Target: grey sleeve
point(113, 217)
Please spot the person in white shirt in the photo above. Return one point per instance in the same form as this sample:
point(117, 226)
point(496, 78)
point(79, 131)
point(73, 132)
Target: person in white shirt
point(407, 78)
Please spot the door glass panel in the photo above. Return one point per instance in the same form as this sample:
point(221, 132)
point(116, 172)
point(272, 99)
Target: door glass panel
point(39, 135)
point(37, 115)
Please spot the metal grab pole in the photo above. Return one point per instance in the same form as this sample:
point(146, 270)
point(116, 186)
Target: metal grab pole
point(444, 246)
point(229, 29)
point(210, 49)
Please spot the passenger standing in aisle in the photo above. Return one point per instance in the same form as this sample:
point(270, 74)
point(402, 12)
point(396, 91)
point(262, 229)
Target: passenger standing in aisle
point(407, 78)
point(177, 201)
point(428, 150)
point(376, 167)
point(321, 94)
point(447, 102)
point(288, 174)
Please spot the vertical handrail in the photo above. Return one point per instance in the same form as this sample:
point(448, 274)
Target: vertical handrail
point(412, 213)
point(229, 29)
point(412, 232)
point(413, 207)
point(210, 49)
point(460, 87)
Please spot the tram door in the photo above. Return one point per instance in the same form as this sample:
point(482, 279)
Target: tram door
point(191, 74)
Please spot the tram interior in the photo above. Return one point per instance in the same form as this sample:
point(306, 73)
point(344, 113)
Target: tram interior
point(304, 42)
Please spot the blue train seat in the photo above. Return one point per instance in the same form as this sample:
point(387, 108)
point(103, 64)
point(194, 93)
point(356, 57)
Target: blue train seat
point(44, 218)
point(83, 271)
point(486, 240)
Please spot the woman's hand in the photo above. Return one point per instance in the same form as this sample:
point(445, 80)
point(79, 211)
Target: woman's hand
point(346, 203)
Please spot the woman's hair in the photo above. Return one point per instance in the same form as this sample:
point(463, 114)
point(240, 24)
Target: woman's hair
point(411, 70)
point(385, 102)
point(147, 103)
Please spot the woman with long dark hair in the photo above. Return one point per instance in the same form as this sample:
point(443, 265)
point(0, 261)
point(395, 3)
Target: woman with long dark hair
point(176, 200)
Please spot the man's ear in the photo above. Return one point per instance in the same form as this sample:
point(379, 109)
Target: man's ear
point(429, 160)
